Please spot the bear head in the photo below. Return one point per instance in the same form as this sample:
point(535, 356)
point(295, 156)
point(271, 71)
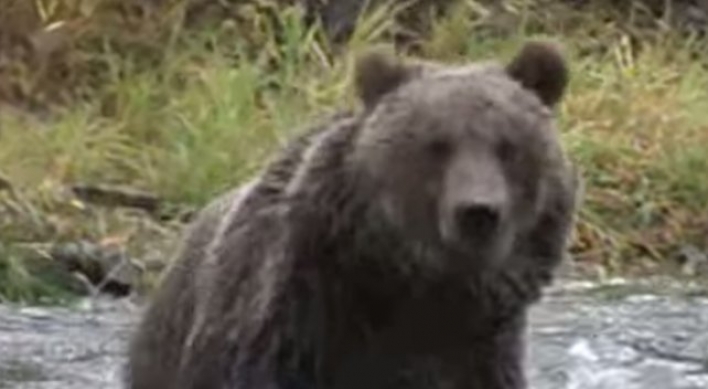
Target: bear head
point(463, 158)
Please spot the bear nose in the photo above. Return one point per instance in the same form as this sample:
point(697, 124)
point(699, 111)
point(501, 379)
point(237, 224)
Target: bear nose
point(477, 221)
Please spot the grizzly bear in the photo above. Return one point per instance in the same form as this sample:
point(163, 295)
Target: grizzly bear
point(397, 246)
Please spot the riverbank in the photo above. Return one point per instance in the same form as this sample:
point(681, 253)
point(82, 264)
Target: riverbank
point(180, 115)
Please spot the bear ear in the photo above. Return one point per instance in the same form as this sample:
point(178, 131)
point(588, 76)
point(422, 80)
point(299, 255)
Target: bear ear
point(541, 68)
point(378, 72)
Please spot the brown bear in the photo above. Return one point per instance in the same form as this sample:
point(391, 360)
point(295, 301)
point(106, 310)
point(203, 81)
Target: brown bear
point(398, 246)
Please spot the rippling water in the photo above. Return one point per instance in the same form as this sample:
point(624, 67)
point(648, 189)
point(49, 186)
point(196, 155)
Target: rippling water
point(587, 337)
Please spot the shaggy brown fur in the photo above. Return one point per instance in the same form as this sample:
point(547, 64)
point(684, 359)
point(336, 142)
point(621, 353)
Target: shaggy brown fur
point(396, 247)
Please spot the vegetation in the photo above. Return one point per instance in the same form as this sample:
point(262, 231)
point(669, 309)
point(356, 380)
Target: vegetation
point(102, 96)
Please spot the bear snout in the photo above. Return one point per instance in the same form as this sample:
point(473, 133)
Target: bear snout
point(477, 222)
point(471, 227)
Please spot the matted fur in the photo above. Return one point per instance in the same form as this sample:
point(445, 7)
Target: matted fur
point(319, 274)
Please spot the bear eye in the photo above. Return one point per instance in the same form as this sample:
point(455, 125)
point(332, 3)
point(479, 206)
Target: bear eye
point(438, 148)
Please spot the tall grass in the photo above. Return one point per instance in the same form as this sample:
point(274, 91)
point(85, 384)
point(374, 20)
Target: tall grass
point(215, 106)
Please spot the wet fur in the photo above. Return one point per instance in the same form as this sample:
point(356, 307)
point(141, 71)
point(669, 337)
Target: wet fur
point(317, 288)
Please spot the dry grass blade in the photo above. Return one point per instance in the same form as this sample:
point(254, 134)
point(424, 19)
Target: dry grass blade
point(156, 102)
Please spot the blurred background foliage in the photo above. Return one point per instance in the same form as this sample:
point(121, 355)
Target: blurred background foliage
point(181, 99)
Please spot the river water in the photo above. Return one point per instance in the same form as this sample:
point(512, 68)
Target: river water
point(651, 335)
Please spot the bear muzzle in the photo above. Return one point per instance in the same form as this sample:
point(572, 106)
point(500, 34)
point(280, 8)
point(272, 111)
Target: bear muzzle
point(476, 223)
point(474, 229)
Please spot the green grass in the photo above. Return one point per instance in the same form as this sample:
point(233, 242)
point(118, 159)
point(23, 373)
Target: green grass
point(199, 121)
point(30, 278)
